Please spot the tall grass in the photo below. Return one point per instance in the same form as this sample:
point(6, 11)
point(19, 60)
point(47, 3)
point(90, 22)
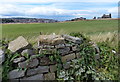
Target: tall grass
point(110, 37)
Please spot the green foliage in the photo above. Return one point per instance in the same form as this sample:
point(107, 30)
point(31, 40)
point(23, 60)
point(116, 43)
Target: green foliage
point(57, 58)
point(3, 44)
point(37, 55)
point(14, 56)
point(78, 34)
point(109, 61)
point(83, 68)
point(7, 65)
point(87, 68)
point(26, 55)
point(51, 58)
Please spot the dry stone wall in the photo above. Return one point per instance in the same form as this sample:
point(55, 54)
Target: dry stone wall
point(34, 63)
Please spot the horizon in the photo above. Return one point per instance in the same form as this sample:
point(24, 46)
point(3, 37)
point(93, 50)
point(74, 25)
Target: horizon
point(52, 19)
point(58, 10)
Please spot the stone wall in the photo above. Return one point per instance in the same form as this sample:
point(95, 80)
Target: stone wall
point(34, 62)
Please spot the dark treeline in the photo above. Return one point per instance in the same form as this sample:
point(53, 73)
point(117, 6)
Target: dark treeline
point(77, 19)
point(27, 20)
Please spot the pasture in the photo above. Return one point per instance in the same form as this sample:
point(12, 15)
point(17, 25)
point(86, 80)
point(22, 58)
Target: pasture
point(87, 27)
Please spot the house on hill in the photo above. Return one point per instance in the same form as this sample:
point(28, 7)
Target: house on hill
point(106, 16)
point(76, 19)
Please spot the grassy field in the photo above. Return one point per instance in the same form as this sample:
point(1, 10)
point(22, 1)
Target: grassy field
point(30, 31)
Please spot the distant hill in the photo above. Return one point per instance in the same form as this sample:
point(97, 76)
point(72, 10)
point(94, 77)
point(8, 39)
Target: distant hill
point(27, 20)
point(77, 19)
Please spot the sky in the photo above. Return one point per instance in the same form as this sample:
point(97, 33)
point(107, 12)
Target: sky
point(58, 9)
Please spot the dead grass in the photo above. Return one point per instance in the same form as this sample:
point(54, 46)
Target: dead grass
point(110, 37)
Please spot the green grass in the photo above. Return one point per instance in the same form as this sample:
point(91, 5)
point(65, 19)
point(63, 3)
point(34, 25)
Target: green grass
point(11, 31)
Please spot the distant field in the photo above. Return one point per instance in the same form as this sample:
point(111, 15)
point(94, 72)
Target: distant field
point(11, 31)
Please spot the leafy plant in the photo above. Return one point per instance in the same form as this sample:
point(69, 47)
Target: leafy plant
point(14, 56)
point(7, 65)
point(86, 68)
point(109, 61)
point(57, 58)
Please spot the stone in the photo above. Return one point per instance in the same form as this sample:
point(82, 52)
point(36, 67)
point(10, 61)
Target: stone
point(17, 44)
point(2, 56)
point(47, 51)
point(35, 77)
point(16, 74)
point(14, 80)
point(64, 51)
point(29, 64)
point(57, 41)
point(68, 57)
point(35, 46)
point(66, 65)
point(96, 48)
point(1, 70)
point(40, 69)
point(28, 51)
point(68, 45)
point(75, 48)
point(50, 39)
point(46, 61)
point(78, 55)
point(97, 56)
point(17, 60)
point(60, 46)
point(53, 68)
point(48, 46)
point(41, 47)
point(23, 64)
point(72, 39)
point(49, 76)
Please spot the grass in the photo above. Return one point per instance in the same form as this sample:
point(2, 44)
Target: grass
point(97, 30)
point(110, 37)
point(11, 31)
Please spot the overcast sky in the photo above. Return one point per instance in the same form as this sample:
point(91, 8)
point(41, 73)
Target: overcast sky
point(58, 9)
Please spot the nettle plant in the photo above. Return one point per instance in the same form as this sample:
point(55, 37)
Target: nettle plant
point(83, 68)
point(108, 63)
point(7, 65)
point(87, 68)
